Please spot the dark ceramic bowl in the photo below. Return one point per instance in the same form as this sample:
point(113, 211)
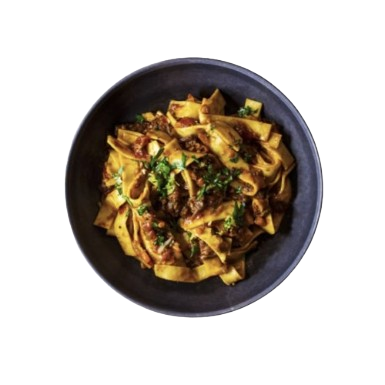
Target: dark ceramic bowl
point(150, 89)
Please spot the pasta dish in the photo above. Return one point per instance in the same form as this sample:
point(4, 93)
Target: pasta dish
point(189, 191)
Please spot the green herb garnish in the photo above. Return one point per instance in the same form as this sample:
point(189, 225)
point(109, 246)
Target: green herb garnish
point(184, 159)
point(139, 118)
point(160, 170)
point(247, 157)
point(234, 159)
point(161, 175)
point(237, 218)
point(152, 163)
point(239, 213)
point(195, 249)
point(160, 239)
point(181, 164)
point(228, 224)
point(163, 168)
point(170, 185)
point(245, 111)
point(217, 180)
point(119, 184)
point(142, 209)
point(127, 199)
point(118, 180)
point(195, 159)
point(201, 193)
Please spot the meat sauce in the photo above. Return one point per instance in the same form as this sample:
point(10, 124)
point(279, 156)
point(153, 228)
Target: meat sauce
point(174, 190)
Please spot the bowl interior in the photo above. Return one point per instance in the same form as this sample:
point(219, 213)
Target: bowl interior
point(151, 89)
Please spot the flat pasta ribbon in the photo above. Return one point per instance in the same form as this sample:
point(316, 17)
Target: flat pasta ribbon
point(188, 192)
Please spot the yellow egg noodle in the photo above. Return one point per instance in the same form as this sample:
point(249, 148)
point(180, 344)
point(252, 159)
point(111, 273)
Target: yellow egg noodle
point(188, 192)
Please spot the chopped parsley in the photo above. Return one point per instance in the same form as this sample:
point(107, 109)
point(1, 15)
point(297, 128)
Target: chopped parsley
point(238, 190)
point(161, 236)
point(247, 157)
point(163, 168)
point(127, 199)
point(160, 239)
point(118, 180)
point(228, 224)
point(181, 164)
point(161, 175)
point(245, 111)
point(119, 184)
point(154, 159)
point(139, 118)
point(239, 214)
point(234, 159)
point(201, 193)
point(217, 180)
point(170, 185)
point(237, 218)
point(142, 209)
point(194, 159)
point(195, 249)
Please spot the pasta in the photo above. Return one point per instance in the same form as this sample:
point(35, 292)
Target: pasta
point(187, 193)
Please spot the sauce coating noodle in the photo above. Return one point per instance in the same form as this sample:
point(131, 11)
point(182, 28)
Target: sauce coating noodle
point(187, 193)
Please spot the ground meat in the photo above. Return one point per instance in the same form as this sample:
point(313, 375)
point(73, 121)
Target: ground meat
point(261, 209)
point(205, 250)
point(185, 212)
point(204, 138)
point(262, 194)
point(248, 152)
point(192, 143)
point(260, 221)
point(137, 127)
point(167, 255)
point(186, 122)
point(244, 132)
point(138, 186)
point(259, 178)
point(147, 227)
point(160, 123)
point(174, 203)
point(214, 161)
point(195, 205)
point(139, 146)
point(214, 200)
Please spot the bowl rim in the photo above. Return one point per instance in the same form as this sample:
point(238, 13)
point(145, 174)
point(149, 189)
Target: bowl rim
point(277, 93)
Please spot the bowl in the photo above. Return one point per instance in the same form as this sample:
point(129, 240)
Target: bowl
point(150, 89)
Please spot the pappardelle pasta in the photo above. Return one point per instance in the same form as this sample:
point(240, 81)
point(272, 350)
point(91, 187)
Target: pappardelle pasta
point(187, 193)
